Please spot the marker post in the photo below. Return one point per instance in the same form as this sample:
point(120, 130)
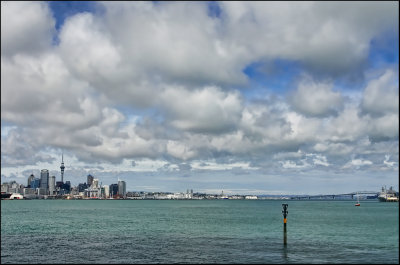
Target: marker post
point(285, 213)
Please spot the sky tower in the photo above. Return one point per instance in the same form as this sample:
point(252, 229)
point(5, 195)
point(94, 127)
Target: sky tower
point(62, 168)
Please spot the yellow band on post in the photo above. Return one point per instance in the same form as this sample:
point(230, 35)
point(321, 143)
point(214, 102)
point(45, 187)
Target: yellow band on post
point(284, 220)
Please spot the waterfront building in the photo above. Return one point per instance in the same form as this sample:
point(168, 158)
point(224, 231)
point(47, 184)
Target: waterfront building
point(29, 192)
point(95, 184)
point(92, 193)
point(121, 188)
point(189, 195)
point(41, 191)
point(30, 179)
point(59, 187)
point(89, 180)
point(82, 187)
point(106, 190)
point(14, 187)
point(113, 190)
point(74, 191)
point(4, 187)
point(67, 186)
point(44, 179)
point(35, 183)
point(52, 185)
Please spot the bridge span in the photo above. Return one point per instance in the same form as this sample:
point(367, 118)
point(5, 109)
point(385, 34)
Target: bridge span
point(333, 196)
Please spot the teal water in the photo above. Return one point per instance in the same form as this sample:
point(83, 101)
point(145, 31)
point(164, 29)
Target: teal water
point(198, 231)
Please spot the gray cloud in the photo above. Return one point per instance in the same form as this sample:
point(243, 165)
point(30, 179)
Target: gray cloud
point(316, 99)
point(27, 27)
point(166, 87)
point(381, 96)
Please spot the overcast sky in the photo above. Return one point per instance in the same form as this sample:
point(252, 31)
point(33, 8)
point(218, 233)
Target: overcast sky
point(244, 97)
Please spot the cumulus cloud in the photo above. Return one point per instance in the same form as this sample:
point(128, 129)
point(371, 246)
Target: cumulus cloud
point(172, 86)
point(310, 32)
point(381, 95)
point(27, 27)
point(316, 99)
point(357, 163)
point(207, 110)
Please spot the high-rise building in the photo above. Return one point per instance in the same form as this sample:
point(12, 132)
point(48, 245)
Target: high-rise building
point(95, 184)
point(35, 183)
point(113, 190)
point(106, 191)
point(52, 185)
point(30, 178)
point(121, 188)
point(67, 186)
point(44, 179)
point(89, 180)
point(82, 187)
point(62, 167)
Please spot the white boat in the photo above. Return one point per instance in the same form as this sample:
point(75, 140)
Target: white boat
point(358, 201)
point(388, 195)
point(16, 196)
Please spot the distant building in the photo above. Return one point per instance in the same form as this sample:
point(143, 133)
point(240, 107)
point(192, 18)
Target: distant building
point(82, 187)
point(44, 179)
point(189, 195)
point(113, 190)
point(35, 183)
point(52, 185)
point(92, 193)
point(67, 186)
point(121, 188)
point(29, 192)
point(12, 187)
point(106, 190)
point(89, 180)
point(41, 191)
point(30, 179)
point(95, 184)
point(4, 187)
point(251, 197)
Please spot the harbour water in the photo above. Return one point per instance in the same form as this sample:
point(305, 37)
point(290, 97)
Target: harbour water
point(198, 231)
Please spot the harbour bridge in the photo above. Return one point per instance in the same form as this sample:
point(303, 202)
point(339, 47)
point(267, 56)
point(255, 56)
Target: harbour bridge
point(333, 196)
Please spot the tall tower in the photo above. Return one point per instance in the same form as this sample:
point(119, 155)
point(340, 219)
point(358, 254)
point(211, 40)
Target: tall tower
point(62, 168)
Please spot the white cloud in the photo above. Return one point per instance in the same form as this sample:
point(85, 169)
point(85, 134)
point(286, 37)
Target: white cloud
point(206, 110)
point(171, 87)
point(381, 95)
point(389, 163)
point(288, 164)
point(357, 163)
point(316, 99)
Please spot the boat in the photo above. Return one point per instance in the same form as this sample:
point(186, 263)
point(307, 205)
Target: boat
point(358, 201)
point(388, 195)
point(5, 196)
point(16, 196)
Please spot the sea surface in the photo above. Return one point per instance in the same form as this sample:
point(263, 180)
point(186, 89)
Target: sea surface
point(198, 231)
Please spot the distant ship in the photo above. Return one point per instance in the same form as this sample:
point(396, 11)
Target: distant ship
point(5, 195)
point(11, 196)
point(388, 195)
point(16, 196)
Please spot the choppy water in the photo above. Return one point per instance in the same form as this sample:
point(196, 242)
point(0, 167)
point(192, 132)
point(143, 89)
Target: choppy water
point(212, 231)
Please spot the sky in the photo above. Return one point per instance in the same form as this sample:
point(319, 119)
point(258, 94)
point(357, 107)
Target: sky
point(241, 97)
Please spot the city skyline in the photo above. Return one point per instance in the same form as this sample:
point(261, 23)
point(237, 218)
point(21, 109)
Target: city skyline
point(244, 97)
